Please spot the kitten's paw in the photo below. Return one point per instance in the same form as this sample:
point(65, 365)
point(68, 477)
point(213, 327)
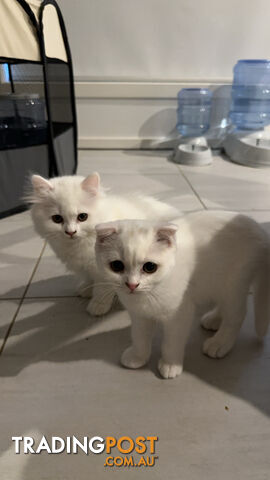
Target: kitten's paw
point(130, 359)
point(167, 370)
point(217, 348)
point(211, 320)
point(97, 308)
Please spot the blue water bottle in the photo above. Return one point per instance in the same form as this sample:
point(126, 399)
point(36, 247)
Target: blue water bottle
point(193, 113)
point(250, 109)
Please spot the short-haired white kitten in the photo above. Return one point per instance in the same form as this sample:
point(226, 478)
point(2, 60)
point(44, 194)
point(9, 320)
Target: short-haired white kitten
point(65, 211)
point(204, 263)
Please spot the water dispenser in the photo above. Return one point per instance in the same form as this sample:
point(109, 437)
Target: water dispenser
point(193, 116)
point(249, 142)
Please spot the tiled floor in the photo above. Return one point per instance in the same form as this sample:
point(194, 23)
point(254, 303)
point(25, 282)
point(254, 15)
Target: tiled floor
point(60, 372)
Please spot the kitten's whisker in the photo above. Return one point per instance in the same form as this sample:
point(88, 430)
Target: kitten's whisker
point(51, 235)
point(105, 283)
point(92, 285)
point(105, 295)
point(85, 287)
point(153, 298)
point(82, 300)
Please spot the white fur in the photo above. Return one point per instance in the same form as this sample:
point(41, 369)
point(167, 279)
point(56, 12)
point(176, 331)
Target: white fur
point(208, 265)
point(70, 195)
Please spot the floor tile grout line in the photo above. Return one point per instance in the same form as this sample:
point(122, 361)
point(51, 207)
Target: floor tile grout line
point(21, 300)
point(139, 172)
point(55, 297)
point(9, 299)
point(192, 188)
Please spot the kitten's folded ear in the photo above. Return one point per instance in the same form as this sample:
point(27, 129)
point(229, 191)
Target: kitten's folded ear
point(166, 233)
point(41, 185)
point(105, 230)
point(91, 184)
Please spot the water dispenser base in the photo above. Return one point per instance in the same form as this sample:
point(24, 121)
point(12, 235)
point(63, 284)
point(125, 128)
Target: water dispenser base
point(193, 151)
point(252, 150)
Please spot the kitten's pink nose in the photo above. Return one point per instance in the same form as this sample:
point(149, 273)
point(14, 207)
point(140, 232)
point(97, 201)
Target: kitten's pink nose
point(132, 286)
point(70, 233)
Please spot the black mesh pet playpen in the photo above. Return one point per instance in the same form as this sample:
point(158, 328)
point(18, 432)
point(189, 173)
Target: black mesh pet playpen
point(38, 132)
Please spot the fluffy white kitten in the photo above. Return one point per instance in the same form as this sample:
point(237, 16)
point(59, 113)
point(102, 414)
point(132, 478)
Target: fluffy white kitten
point(204, 263)
point(65, 211)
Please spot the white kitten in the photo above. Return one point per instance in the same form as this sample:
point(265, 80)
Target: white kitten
point(204, 262)
point(65, 211)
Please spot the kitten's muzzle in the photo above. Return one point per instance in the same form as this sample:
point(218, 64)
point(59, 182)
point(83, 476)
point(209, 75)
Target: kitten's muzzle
point(70, 233)
point(132, 286)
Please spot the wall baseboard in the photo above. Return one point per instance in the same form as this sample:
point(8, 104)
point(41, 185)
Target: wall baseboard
point(142, 90)
point(95, 143)
point(131, 115)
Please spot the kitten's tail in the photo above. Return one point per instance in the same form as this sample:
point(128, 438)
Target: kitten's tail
point(262, 297)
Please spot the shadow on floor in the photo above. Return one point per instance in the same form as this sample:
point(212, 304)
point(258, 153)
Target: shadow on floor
point(60, 330)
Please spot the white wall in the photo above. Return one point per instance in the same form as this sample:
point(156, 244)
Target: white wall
point(190, 41)
point(165, 39)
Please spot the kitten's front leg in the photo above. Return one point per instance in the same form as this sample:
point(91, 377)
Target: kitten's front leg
point(139, 351)
point(176, 331)
point(101, 302)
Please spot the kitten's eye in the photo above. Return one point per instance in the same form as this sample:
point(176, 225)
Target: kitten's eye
point(82, 217)
point(150, 267)
point(57, 219)
point(117, 266)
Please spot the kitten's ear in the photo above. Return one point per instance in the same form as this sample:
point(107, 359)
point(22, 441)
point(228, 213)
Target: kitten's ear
point(105, 230)
point(91, 183)
point(41, 185)
point(166, 233)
